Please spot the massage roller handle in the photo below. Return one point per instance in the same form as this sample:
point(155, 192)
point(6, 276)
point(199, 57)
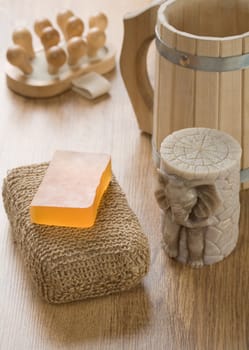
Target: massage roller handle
point(139, 31)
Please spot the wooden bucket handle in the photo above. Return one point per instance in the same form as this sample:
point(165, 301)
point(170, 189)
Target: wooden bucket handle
point(139, 31)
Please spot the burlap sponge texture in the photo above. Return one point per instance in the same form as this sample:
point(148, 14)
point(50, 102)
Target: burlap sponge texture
point(68, 264)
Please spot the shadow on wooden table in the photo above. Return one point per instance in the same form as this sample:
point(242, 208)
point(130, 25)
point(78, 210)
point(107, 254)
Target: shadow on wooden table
point(208, 308)
point(96, 319)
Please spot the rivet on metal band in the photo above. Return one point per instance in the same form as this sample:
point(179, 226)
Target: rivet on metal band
point(202, 63)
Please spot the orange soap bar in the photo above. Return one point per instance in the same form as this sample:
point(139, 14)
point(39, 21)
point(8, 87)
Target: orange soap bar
point(71, 190)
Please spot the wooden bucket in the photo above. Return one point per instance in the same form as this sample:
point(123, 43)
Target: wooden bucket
point(202, 75)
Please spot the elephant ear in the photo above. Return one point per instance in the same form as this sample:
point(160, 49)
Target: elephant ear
point(162, 182)
point(207, 203)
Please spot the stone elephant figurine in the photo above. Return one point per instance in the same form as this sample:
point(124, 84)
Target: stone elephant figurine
point(186, 205)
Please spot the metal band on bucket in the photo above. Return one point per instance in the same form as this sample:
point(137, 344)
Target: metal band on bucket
point(202, 63)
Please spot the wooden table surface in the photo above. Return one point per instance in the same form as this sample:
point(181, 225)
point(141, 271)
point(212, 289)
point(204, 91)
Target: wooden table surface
point(175, 307)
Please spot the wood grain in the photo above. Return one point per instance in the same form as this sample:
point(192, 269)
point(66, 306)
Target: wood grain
point(164, 94)
point(231, 92)
point(184, 87)
point(133, 62)
point(207, 83)
point(176, 308)
point(245, 103)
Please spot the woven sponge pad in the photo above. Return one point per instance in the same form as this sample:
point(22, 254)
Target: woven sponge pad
point(68, 264)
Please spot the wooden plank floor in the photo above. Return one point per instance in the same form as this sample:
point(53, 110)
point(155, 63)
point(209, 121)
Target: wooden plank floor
point(175, 307)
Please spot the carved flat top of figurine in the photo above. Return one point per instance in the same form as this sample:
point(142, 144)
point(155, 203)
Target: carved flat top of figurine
point(199, 153)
